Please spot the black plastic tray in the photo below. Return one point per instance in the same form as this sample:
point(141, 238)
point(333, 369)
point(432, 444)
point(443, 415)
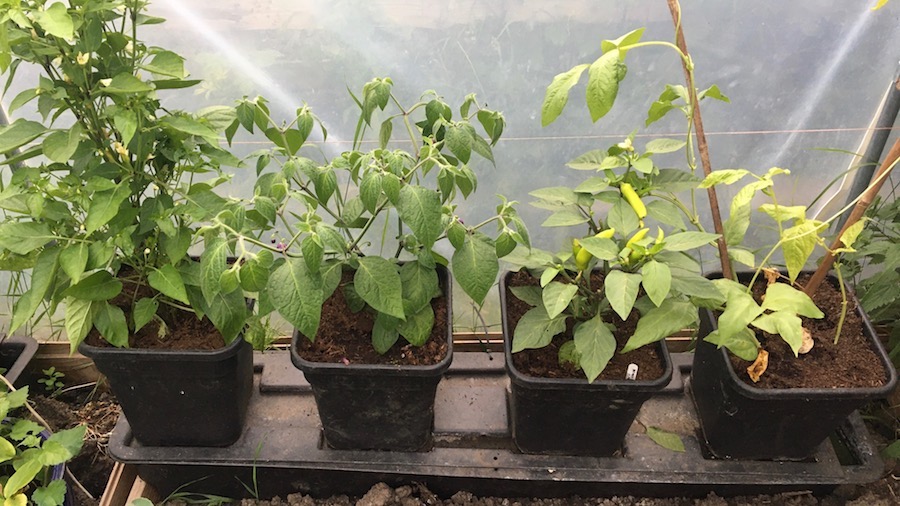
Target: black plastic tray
point(282, 451)
point(15, 354)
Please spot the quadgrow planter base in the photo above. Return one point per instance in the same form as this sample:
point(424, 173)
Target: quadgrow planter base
point(283, 448)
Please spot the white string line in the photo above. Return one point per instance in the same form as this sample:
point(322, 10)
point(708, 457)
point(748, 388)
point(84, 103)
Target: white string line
point(621, 135)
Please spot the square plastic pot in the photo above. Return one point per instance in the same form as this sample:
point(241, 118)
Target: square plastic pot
point(378, 407)
point(741, 421)
point(15, 354)
point(569, 416)
point(180, 398)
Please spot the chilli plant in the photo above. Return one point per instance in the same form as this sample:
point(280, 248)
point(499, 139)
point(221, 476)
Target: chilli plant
point(377, 213)
point(103, 196)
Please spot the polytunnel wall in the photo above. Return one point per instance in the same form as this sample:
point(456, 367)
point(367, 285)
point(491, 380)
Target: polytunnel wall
point(804, 78)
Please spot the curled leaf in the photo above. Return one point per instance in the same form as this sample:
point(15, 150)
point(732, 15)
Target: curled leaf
point(807, 344)
point(758, 367)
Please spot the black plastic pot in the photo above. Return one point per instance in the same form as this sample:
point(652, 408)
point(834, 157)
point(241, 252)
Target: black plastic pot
point(15, 354)
point(180, 398)
point(741, 421)
point(377, 407)
point(570, 416)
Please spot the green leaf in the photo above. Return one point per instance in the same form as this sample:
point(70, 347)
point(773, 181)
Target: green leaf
point(643, 165)
point(556, 297)
point(661, 322)
point(384, 333)
point(592, 160)
point(297, 296)
point(144, 310)
point(665, 439)
point(684, 241)
point(420, 209)
point(785, 324)
point(592, 185)
point(253, 275)
point(105, 206)
point(417, 327)
point(475, 266)
point(79, 320)
point(658, 146)
point(743, 344)
point(852, 233)
point(603, 83)
point(110, 321)
point(558, 94)
point(73, 259)
point(740, 310)
point(742, 256)
point(25, 473)
point(168, 281)
point(713, 92)
point(7, 450)
point(189, 126)
point(565, 218)
point(784, 213)
point(166, 63)
point(100, 285)
point(370, 190)
point(559, 195)
point(595, 345)
point(378, 283)
point(60, 146)
point(313, 252)
point(621, 290)
point(56, 21)
point(42, 277)
point(460, 142)
point(666, 213)
point(798, 243)
point(675, 180)
point(18, 134)
point(548, 275)
point(694, 285)
point(70, 439)
point(124, 84)
point(530, 295)
point(783, 297)
point(23, 237)
point(228, 312)
point(384, 134)
point(535, 329)
point(604, 249)
point(724, 176)
point(213, 262)
point(420, 286)
point(739, 217)
point(52, 495)
point(657, 280)
point(622, 218)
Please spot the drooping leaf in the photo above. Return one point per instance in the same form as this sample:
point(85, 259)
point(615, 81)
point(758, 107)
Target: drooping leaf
point(798, 244)
point(603, 84)
point(79, 320)
point(42, 277)
point(228, 311)
point(784, 297)
point(787, 325)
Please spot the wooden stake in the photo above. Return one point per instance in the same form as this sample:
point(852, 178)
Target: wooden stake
point(702, 146)
point(858, 211)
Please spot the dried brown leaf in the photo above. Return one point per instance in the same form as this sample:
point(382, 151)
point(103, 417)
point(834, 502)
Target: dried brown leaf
point(758, 367)
point(807, 344)
point(771, 275)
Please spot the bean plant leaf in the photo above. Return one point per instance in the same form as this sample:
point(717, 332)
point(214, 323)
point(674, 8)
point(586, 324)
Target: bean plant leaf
point(787, 325)
point(784, 213)
point(168, 281)
point(475, 266)
point(535, 329)
point(657, 280)
point(595, 345)
point(783, 297)
point(739, 216)
point(743, 344)
point(852, 233)
point(603, 83)
point(661, 322)
point(667, 440)
point(740, 310)
point(420, 209)
point(724, 176)
point(558, 94)
point(378, 283)
point(556, 297)
point(621, 290)
point(297, 295)
point(798, 244)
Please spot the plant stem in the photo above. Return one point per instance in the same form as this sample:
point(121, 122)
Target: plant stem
point(702, 145)
point(858, 211)
point(840, 325)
